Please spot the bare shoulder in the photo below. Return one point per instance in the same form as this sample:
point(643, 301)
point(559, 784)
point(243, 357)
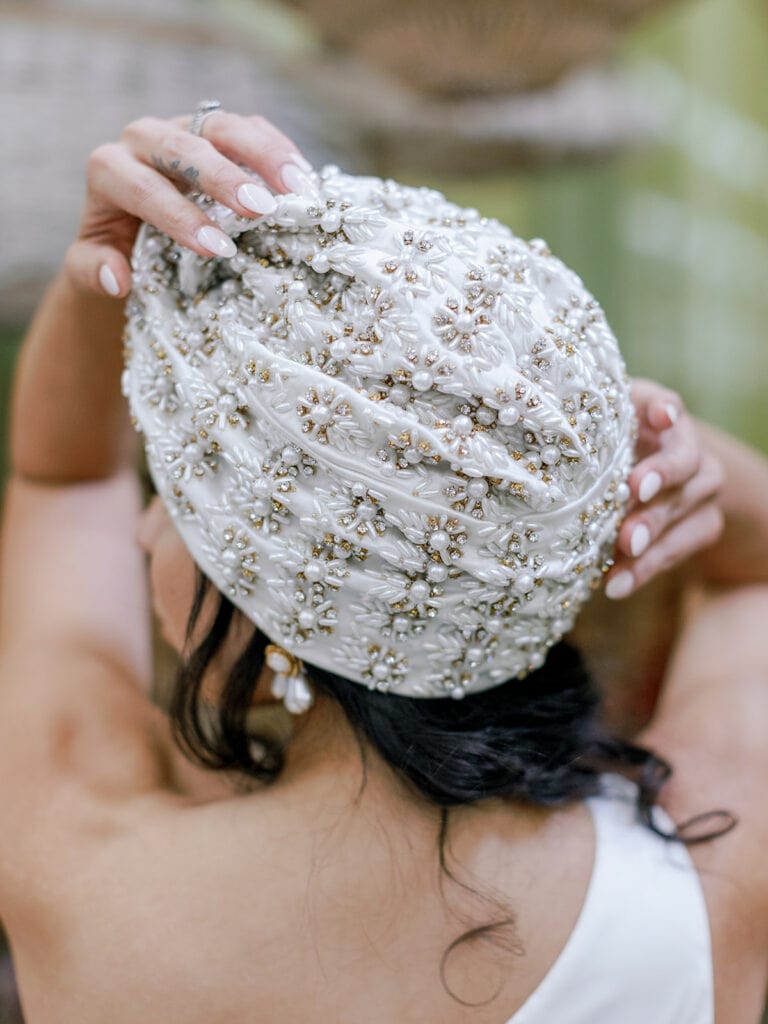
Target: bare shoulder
point(168, 870)
point(77, 728)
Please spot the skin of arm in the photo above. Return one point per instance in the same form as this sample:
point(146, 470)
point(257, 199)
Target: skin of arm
point(75, 649)
point(72, 452)
point(741, 553)
point(69, 421)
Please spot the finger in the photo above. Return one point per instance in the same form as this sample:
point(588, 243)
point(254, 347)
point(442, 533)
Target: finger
point(193, 162)
point(647, 523)
point(128, 184)
point(256, 142)
point(657, 410)
point(655, 405)
point(685, 538)
point(97, 268)
point(677, 459)
point(664, 411)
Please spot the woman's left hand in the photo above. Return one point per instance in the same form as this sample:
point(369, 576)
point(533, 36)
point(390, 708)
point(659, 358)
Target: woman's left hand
point(674, 510)
point(146, 176)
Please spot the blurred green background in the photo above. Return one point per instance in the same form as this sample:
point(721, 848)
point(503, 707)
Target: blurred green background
point(672, 237)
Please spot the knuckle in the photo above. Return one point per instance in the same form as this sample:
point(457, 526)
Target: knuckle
point(260, 122)
point(178, 224)
point(137, 128)
point(222, 179)
point(274, 151)
point(223, 124)
point(272, 138)
point(177, 143)
point(685, 461)
point(142, 192)
point(101, 158)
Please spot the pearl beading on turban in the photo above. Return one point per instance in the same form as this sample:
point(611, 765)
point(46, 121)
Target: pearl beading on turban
point(394, 434)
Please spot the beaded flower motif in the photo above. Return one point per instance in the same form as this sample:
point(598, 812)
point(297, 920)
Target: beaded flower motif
point(395, 434)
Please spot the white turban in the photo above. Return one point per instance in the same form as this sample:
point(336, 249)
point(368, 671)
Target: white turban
point(394, 434)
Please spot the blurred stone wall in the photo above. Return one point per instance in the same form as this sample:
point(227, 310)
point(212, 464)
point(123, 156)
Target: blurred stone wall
point(73, 72)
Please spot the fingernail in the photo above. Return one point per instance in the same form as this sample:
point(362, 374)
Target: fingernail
point(256, 199)
point(296, 180)
point(108, 281)
point(619, 586)
point(302, 162)
point(672, 412)
point(640, 539)
point(650, 486)
point(216, 242)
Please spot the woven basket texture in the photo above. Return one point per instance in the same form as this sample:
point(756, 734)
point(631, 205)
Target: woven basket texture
point(460, 47)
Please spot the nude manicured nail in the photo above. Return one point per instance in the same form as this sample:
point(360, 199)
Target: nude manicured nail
point(256, 199)
point(216, 242)
point(650, 486)
point(619, 586)
point(296, 180)
point(108, 281)
point(640, 539)
point(672, 412)
point(302, 162)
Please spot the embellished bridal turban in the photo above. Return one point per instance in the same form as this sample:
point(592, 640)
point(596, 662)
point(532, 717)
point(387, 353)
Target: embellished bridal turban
point(394, 434)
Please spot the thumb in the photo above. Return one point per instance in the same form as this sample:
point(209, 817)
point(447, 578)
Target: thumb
point(99, 269)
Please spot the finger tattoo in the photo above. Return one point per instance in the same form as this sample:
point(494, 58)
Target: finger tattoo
point(174, 170)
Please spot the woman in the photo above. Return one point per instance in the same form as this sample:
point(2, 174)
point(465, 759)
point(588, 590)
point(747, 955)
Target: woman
point(343, 890)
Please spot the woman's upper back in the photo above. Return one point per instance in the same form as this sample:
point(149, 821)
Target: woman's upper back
point(311, 907)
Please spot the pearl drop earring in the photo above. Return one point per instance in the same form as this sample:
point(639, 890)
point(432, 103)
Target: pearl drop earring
point(289, 683)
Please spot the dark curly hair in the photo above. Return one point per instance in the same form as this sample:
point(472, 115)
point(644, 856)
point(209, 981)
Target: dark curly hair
point(539, 740)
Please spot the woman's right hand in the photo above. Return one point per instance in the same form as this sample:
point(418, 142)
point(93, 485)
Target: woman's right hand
point(675, 509)
point(143, 177)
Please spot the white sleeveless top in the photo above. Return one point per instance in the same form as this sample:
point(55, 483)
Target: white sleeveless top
point(640, 952)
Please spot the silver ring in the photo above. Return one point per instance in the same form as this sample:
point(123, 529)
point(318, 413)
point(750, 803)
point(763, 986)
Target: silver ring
point(204, 109)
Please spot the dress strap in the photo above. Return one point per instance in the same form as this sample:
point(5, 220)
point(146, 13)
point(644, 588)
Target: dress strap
point(640, 950)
